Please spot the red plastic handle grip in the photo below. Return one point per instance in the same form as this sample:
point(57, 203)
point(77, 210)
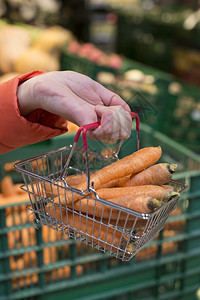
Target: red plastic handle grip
point(136, 117)
point(85, 128)
point(94, 125)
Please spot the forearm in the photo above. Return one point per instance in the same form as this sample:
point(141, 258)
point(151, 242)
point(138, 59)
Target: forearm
point(25, 106)
point(17, 130)
point(35, 107)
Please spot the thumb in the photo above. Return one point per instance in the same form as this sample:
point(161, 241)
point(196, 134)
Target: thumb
point(103, 113)
point(100, 109)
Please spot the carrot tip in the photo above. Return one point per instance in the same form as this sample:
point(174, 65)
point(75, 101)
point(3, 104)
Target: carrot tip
point(173, 194)
point(154, 203)
point(130, 247)
point(172, 168)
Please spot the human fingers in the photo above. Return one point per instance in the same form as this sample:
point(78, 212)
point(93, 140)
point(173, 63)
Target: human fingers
point(51, 94)
point(74, 96)
point(109, 98)
point(91, 91)
point(116, 123)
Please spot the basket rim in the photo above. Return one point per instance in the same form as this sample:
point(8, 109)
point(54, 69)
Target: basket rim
point(18, 167)
point(144, 216)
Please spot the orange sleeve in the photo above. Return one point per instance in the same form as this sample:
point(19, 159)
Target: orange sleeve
point(16, 130)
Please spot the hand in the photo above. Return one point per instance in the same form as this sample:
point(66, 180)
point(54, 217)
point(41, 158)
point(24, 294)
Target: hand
point(78, 99)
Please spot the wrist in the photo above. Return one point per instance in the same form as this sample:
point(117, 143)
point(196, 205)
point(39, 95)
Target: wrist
point(26, 101)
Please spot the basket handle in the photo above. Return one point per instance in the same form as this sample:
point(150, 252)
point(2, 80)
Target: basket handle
point(84, 130)
point(94, 125)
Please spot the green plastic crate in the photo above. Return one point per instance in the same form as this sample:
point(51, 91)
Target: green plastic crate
point(174, 113)
point(181, 114)
point(173, 275)
point(151, 35)
point(82, 65)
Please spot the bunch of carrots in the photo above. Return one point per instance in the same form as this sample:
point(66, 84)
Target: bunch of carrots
point(24, 237)
point(135, 182)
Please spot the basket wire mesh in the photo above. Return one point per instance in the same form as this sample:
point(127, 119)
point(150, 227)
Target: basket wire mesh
point(111, 228)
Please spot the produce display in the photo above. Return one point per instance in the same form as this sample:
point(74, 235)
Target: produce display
point(166, 103)
point(138, 182)
point(12, 37)
point(93, 54)
point(26, 237)
point(42, 48)
point(8, 76)
point(112, 3)
point(10, 191)
point(172, 229)
point(128, 82)
point(36, 252)
point(147, 91)
point(150, 35)
point(86, 58)
point(34, 48)
point(186, 64)
point(151, 252)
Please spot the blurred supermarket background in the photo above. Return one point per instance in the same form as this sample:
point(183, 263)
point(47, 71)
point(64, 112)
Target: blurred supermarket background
point(148, 51)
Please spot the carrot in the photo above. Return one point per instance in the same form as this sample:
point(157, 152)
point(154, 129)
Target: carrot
point(116, 182)
point(11, 240)
point(168, 187)
point(147, 253)
point(50, 235)
point(9, 166)
point(20, 282)
point(65, 272)
point(19, 218)
point(105, 236)
point(49, 255)
point(27, 237)
point(52, 190)
point(153, 191)
point(128, 223)
point(177, 224)
point(128, 165)
point(48, 189)
point(74, 180)
point(16, 263)
point(142, 204)
point(157, 174)
point(7, 186)
point(18, 189)
point(30, 259)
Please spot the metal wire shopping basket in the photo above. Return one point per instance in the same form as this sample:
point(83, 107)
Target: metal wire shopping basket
point(111, 228)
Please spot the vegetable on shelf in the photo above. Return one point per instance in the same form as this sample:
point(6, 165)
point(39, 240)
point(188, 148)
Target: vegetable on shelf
point(11, 191)
point(14, 41)
point(21, 51)
point(7, 187)
point(90, 52)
